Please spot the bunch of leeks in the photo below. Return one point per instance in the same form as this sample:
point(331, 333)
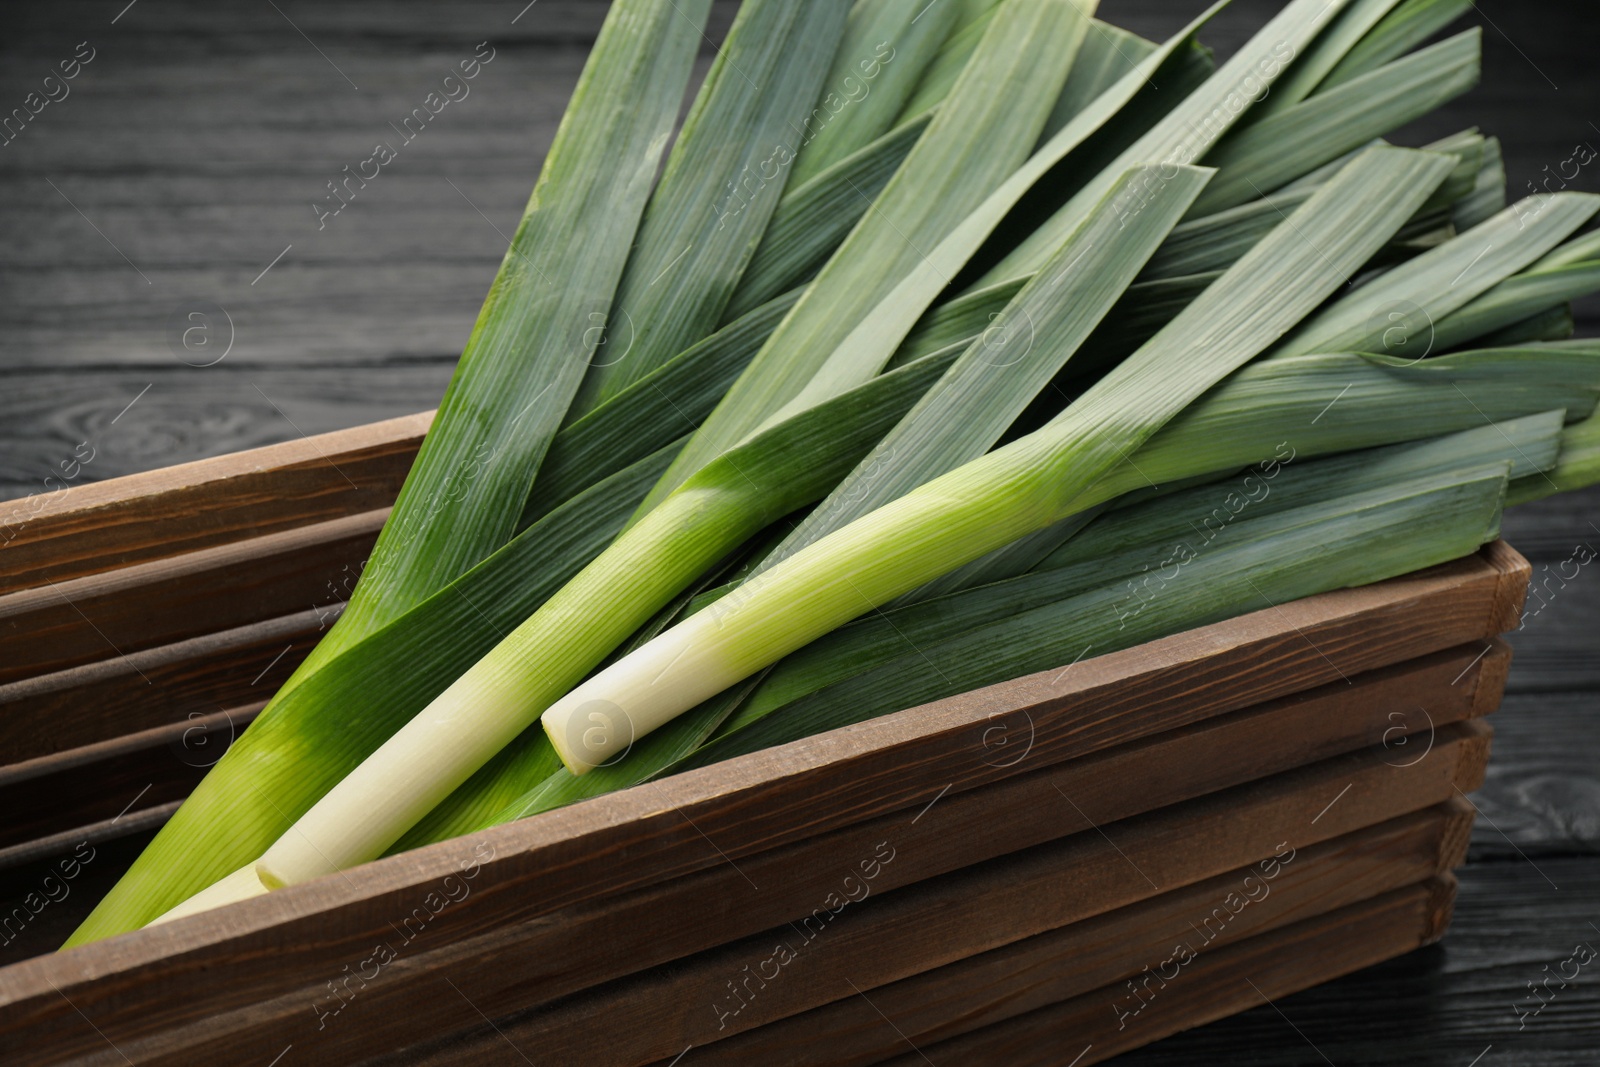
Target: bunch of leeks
point(984, 334)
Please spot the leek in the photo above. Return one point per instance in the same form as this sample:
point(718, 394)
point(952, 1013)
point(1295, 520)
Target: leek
point(991, 501)
point(982, 132)
point(952, 371)
point(721, 183)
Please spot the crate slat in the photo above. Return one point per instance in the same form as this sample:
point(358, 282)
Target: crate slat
point(990, 989)
point(126, 695)
point(65, 624)
point(182, 1013)
point(1196, 755)
point(1223, 983)
point(88, 529)
point(1016, 937)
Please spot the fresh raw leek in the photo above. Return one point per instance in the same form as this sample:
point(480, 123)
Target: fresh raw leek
point(1010, 492)
point(524, 359)
point(719, 507)
point(522, 364)
point(1401, 30)
point(1377, 402)
point(1405, 301)
point(1189, 130)
point(1120, 549)
point(983, 130)
point(721, 183)
point(940, 335)
point(1359, 538)
point(887, 47)
point(1262, 156)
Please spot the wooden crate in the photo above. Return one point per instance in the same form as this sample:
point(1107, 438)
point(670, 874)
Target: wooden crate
point(1073, 863)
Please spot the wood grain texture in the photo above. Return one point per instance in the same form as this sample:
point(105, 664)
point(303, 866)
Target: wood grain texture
point(114, 699)
point(1018, 940)
point(66, 624)
point(1447, 1004)
point(1225, 982)
point(1541, 796)
point(510, 967)
point(73, 531)
point(89, 785)
point(1118, 947)
point(275, 930)
point(1548, 530)
point(1558, 642)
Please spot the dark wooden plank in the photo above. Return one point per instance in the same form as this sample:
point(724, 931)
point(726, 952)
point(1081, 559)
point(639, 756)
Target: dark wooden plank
point(1081, 876)
point(62, 532)
point(677, 825)
point(1542, 795)
point(215, 130)
point(84, 620)
point(1558, 642)
point(44, 926)
point(57, 794)
point(1220, 984)
point(1013, 957)
point(114, 700)
point(1549, 530)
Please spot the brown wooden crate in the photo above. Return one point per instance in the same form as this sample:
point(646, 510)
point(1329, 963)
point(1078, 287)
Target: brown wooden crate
point(798, 790)
point(824, 1004)
point(103, 526)
point(84, 620)
point(180, 1012)
point(1233, 979)
point(744, 806)
point(664, 872)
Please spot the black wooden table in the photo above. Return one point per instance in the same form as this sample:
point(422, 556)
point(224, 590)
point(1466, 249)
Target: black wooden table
point(178, 177)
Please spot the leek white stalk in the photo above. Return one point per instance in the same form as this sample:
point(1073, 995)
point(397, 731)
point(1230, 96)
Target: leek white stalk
point(716, 510)
point(497, 698)
point(240, 885)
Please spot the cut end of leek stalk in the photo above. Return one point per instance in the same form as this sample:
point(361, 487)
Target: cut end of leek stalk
point(589, 730)
point(240, 885)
